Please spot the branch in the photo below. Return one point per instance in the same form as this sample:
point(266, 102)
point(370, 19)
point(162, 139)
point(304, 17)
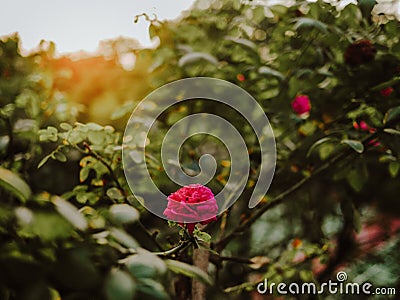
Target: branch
point(221, 244)
point(106, 164)
point(252, 284)
point(171, 252)
point(151, 237)
point(201, 258)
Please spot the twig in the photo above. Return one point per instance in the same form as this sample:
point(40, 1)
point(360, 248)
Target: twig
point(278, 200)
point(240, 260)
point(115, 179)
point(182, 245)
point(251, 285)
point(150, 236)
point(106, 164)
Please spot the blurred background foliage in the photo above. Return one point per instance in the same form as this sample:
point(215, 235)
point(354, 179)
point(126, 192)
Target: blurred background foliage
point(69, 225)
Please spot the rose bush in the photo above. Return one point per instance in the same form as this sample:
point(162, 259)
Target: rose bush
point(71, 229)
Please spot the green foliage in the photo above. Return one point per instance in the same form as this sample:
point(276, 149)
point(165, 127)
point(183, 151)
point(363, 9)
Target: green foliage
point(188, 270)
point(69, 226)
point(14, 184)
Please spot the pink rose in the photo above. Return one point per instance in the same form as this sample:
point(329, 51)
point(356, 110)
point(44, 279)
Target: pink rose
point(301, 106)
point(240, 77)
point(192, 204)
point(363, 126)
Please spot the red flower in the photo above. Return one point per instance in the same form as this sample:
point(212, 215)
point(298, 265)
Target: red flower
point(296, 243)
point(192, 204)
point(240, 77)
point(386, 92)
point(359, 52)
point(301, 106)
point(363, 126)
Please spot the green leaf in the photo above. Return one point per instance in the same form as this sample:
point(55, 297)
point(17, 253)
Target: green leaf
point(119, 285)
point(124, 213)
point(264, 70)
point(82, 198)
point(195, 57)
point(366, 7)
point(310, 23)
point(65, 126)
point(326, 151)
point(242, 41)
point(318, 143)
point(76, 137)
point(59, 156)
point(84, 173)
point(14, 184)
point(279, 10)
point(152, 288)
point(357, 178)
point(394, 167)
point(7, 110)
point(188, 270)
point(91, 126)
point(49, 134)
point(355, 145)
point(123, 238)
point(392, 131)
point(203, 236)
point(306, 276)
point(44, 160)
point(308, 128)
point(387, 158)
point(52, 134)
point(392, 114)
point(145, 264)
point(70, 213)
point(114, 193)
point(96, 137)
point(47, 226)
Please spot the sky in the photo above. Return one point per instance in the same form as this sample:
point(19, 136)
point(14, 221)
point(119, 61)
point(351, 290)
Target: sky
point(76, 25)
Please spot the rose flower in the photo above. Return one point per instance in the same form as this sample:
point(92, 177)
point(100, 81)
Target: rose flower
point(302, 106)
point(192, 204)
